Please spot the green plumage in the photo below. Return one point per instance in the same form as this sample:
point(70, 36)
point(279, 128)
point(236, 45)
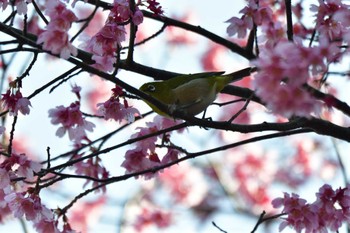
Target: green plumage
point(190, 94)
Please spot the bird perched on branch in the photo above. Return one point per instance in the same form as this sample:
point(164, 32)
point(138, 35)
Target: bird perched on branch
point(189, 94)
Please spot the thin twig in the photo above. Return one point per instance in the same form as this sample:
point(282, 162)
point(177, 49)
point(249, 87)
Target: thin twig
point(9, 149)
point(288, 4)
point(41, 15)
point(340, 161)
point(219, 228)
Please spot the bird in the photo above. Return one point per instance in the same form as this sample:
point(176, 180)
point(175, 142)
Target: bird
point(189, 94)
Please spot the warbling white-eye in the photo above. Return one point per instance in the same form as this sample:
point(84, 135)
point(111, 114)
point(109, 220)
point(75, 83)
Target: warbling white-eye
point(190, 94)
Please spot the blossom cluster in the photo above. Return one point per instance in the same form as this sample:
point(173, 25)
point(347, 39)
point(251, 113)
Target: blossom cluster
point(91, 167)
point(151, 216)
point(72, 121)
point(21, 5)
point(19, 200)
point(253, 14)
point(13, 101)
point(145, 155)
point(106, 42)
point(155, 7)
point(286, 66)
point(114, 109)
point(328, 212)
point(332, 19)
point(55, 37)
point(280, 84)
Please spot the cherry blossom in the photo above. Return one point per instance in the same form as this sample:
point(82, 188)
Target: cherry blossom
point(329, 211)
point(19, 165)
point(177, 36)
point(113, 109)
point(136, 160)
point(4, 207)
point(105, 43)
point(4, 178)
point(4, 4)
point(155, 7)
point(149, 216)
point(72, 121)
point(252, 14)
point(280, 85)
point(145, 155)
point(210, 60)
point(185, 183)
point(86, 213)
point(328, 26)
point(15, 102)
point(21, 6)
point(55, 37)
point(29, 206)
point(46, 225)
point(93, 168)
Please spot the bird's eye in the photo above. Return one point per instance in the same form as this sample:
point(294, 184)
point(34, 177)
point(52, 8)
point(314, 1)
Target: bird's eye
point(151, 88)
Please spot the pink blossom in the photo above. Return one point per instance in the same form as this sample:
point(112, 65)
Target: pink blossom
point(86, 213)
point(4, 178)
point(177, 36)
point(145, 156)
point(252, 14)
point(253, 174)
point(29, 206)
point(329, 18)
point(343, 16)
point(155, 7)
point(152, 216)
point(105, 63)
point(20, 166)
point(4, 207)
point(76, 90)
point(171, 156)
point(238, 26)
point(15, 102)
point(280, 84)
point(113, 109)
point(273, 33)
point(57, 42)
point(55, 37)
point(329, 211)
point(121, 11)
point(300, 214)
point(148, 144)
point(61, 17)
point(72, 121)
point(136, 160)
point(46, 225)
point(21, 6)
point(4, 4)
point(92, 168)
point(263, 15)
point(26, 167)
point(185, 183)
point(67, 228)
point(210, 60)
point(137, 18)
point(104, 45)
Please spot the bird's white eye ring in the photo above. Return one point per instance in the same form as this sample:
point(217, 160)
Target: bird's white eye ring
point(151, 88)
